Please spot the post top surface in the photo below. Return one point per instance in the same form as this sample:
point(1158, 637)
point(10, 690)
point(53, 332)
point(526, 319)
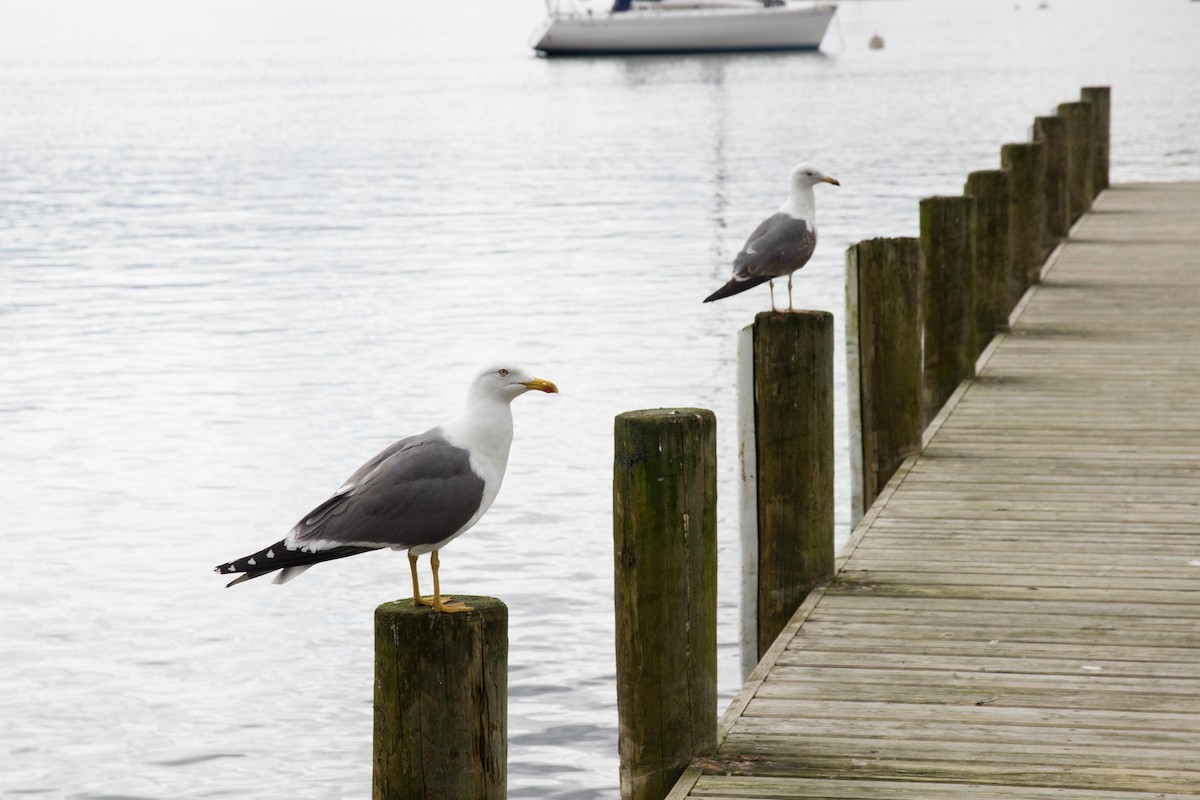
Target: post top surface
point(480, 604)
point(1022, 145)
point(906, 240)
point(796, 316)
point(984, 174)
point(947, 199)
point(664, 414)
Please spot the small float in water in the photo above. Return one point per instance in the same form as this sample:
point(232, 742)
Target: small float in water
point(683, 26)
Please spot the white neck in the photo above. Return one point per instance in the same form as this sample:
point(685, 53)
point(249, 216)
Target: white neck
point(801, 203)
point(486, 426)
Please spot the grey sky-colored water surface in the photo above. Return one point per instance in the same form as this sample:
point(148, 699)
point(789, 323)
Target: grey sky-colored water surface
point(245, 245)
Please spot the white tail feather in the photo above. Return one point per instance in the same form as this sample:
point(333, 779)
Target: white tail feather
point(287, 573)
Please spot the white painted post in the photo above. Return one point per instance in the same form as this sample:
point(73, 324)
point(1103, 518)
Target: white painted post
point(854, 395)
point(748, 499)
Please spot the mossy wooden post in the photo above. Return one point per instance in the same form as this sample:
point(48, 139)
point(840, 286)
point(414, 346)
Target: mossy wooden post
point(1078, 119)
point(793, 432)
point(1101, 99)
point(883, 355)
point(441, 702)
point(665, 539)
point(1051, 133)
point(1026, 167)
point(948, 293)
point(993, 252)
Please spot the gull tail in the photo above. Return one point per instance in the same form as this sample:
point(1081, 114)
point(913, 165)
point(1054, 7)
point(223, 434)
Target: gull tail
point(279, 557)
point(735, 286)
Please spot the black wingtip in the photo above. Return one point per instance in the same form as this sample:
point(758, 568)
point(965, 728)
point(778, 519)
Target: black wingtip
point(255, 565)
point(717, 295)
point(735, 286)
point(244, 577)
point(278, 556)
point(230, 568)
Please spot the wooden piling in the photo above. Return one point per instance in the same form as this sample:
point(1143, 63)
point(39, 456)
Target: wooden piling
point(665, 538)
point(1051, 133)
point(1026, 167)
point(948, 293)
point(793, 429)
point(1078, 120)
point(441, 702)
point(883, 354)
point(747, 503)
point(1101, 99)
point(993, 252)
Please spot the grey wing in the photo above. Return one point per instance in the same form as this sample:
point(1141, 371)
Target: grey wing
point(420, 490)
point(780, 245)
point(384, 454)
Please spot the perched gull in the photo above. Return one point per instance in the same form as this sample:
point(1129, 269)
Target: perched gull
point(416, 495)
point(782, 243)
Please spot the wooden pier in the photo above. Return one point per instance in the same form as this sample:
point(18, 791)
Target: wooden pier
point(1017, 615)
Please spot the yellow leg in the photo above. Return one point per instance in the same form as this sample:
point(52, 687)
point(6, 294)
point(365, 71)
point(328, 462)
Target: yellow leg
point(432, 602)
point(412, 566)
point(438, 605)
point(771, 286)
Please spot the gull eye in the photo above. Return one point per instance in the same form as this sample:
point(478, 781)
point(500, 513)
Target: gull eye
point(502, 372)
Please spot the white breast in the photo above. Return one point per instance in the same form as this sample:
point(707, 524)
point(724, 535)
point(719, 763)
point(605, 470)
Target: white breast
point(487, 435)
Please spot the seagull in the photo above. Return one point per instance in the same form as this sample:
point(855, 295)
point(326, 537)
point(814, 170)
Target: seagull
point(416, 495)
point(783, 242)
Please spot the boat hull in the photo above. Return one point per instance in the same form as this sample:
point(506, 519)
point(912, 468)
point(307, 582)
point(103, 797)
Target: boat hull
point(686, 31)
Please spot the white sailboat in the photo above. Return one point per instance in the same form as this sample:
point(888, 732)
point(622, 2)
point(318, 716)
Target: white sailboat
point(683, 26)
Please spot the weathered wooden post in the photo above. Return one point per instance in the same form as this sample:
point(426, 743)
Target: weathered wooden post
point(1101, 99)
point(1051, 133)
point(1026, 167)
point(883, 355)
point(441, 702)
point(790, 390)
point(1078, 120)
point(993, 251)
point(948, 292)
point(665, 538)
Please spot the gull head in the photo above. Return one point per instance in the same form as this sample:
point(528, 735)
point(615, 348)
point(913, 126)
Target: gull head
point(507, 382)
point(806, 175)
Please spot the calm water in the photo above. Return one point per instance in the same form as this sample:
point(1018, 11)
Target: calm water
point(246, 244)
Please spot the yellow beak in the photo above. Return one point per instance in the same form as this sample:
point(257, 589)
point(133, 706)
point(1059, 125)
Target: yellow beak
point(828, 179)
point(541, 385)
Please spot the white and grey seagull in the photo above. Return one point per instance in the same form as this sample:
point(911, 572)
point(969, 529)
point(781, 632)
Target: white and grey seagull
point(416, 495)
point(783, 242)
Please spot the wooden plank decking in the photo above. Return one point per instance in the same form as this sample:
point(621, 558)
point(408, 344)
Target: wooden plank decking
point(1018, 615)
